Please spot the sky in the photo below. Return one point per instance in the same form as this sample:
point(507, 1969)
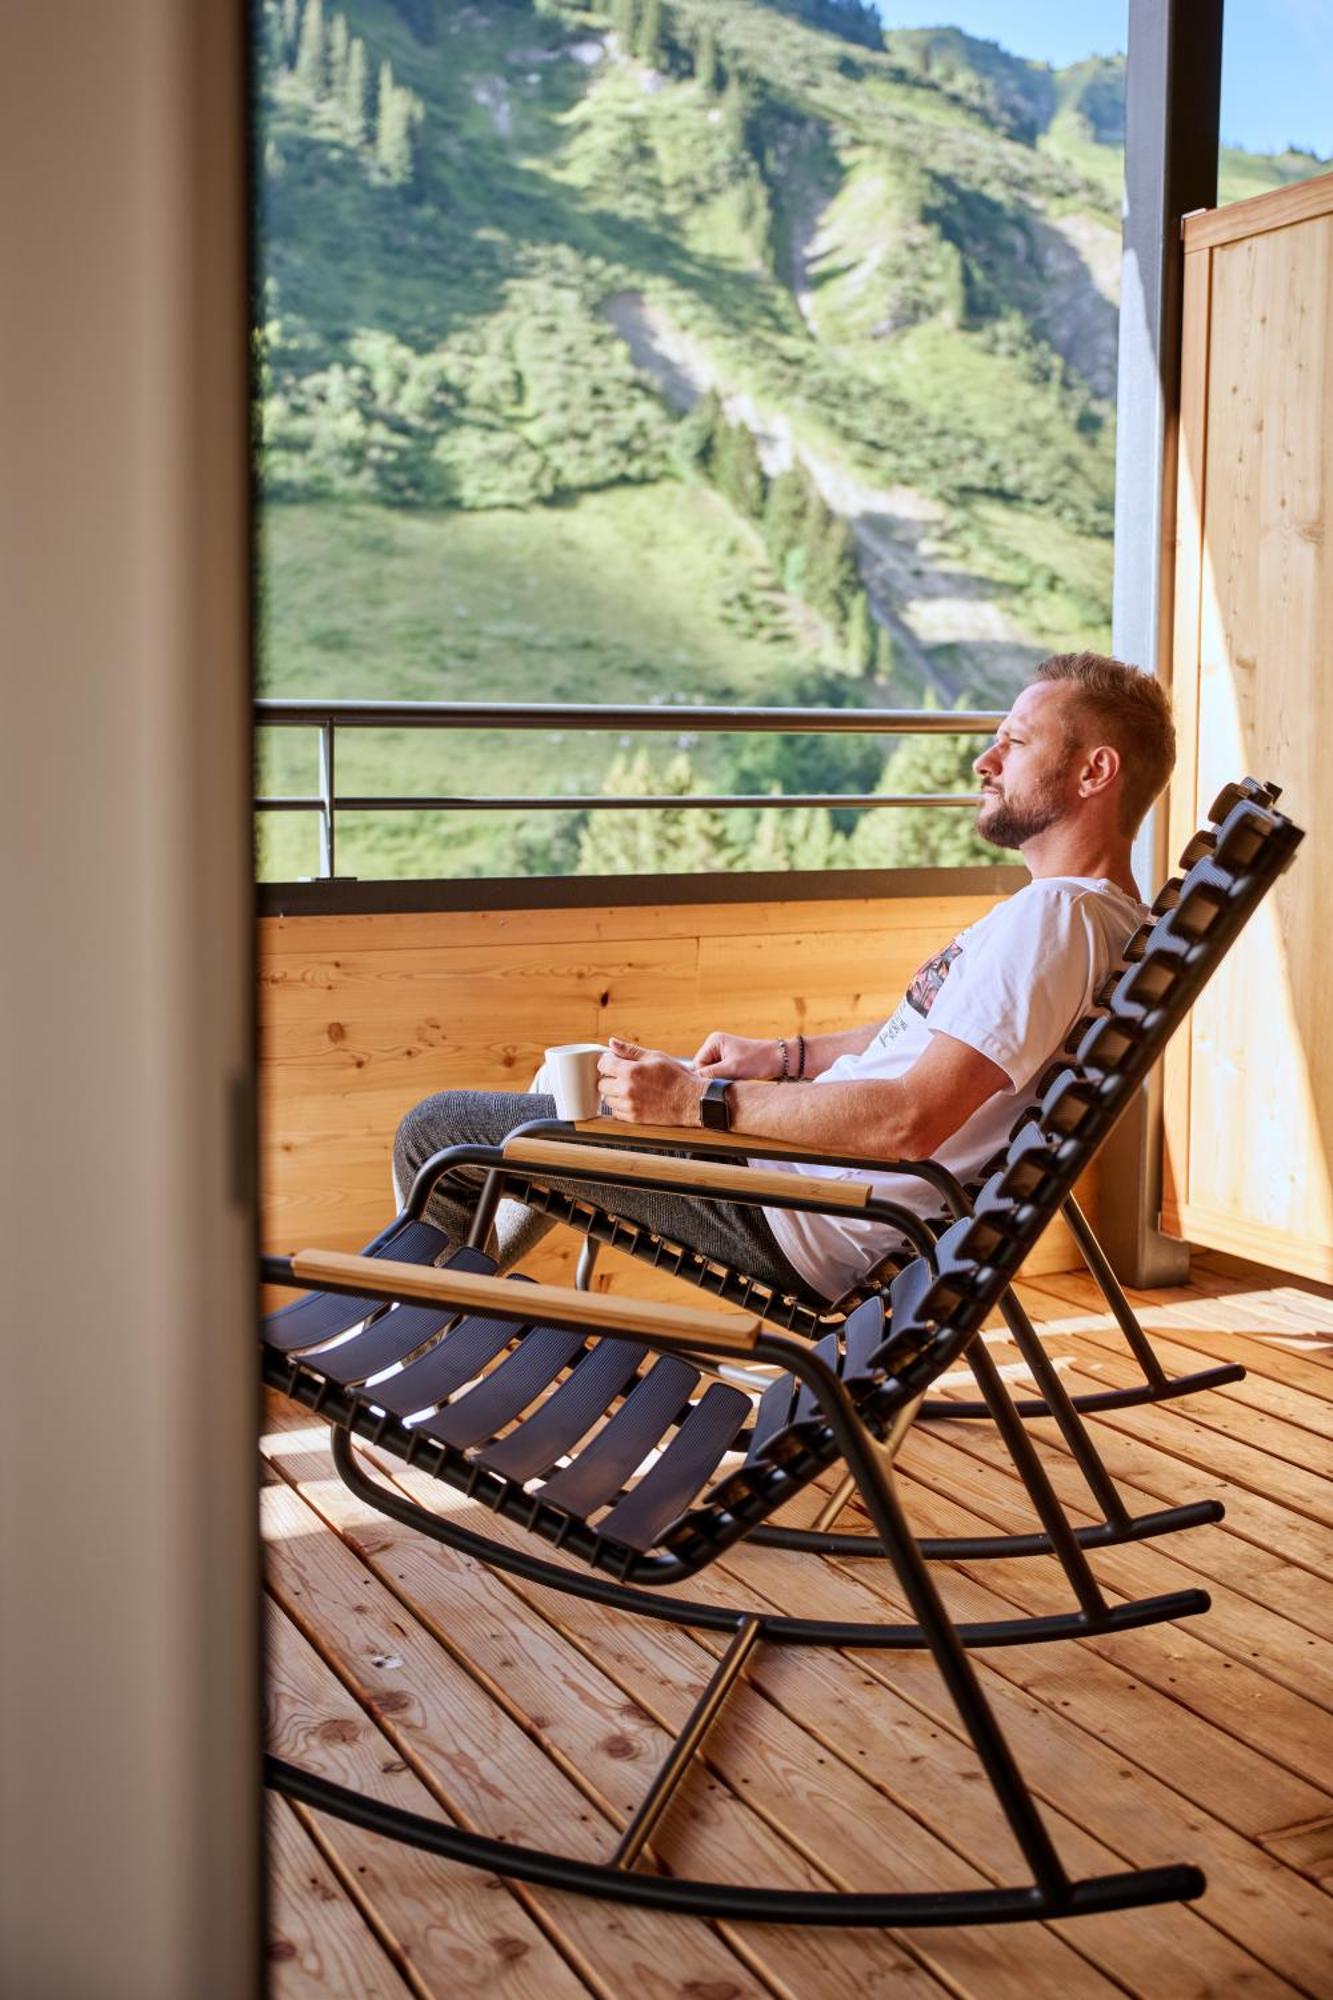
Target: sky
point(1277, 55)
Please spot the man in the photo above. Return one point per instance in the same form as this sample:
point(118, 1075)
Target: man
point(1082, 754)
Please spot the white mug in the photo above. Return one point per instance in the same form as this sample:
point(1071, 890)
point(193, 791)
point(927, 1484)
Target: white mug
point(570, 1074)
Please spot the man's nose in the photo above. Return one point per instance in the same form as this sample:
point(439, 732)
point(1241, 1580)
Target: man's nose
point(986, 762)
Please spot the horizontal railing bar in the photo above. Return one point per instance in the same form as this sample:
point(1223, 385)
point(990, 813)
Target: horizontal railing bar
point(668, 718)
point(718, 801)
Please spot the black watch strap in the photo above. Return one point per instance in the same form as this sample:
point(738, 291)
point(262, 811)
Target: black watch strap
point(714, 1108)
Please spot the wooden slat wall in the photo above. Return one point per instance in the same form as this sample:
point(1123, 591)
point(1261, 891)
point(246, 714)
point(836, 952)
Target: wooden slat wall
point(1250, 1087)
point(362, 1016)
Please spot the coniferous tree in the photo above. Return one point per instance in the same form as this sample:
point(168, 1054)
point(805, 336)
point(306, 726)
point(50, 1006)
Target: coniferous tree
point(355, 109)
point(859, 635)
point(625, 22)
point(311, 56)
point(785, 513)
point(657, 840)
point(833, 577)
point(398, 115)
point(707, 67)
point(649, 44)
point(694, 443)
point(923, 836)
point(738, 472)
point(884, 658)
point(339, 40)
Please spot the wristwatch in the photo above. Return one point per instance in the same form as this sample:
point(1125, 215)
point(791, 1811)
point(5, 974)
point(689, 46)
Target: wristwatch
point(714, 1110)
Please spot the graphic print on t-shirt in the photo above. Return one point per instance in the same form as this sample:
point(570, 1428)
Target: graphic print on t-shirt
point(928, 981)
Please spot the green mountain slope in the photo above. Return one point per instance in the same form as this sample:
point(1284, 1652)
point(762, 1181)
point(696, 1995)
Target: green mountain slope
point(625, 266)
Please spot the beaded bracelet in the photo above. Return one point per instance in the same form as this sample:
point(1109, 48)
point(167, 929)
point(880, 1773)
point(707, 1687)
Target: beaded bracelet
point(786, 1076)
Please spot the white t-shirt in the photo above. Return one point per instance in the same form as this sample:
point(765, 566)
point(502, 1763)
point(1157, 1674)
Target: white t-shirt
point(1011, 986)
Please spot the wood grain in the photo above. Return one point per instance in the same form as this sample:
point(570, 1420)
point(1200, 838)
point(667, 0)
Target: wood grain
point(1249, 1084)
point(319, 1947)
point(556, 1156)
point(675, 1326)
point(361, 1017)
point(1280, 208)
point(1209, 1740)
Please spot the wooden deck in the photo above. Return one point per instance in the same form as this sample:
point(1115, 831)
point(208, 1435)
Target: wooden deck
point(415, 1675)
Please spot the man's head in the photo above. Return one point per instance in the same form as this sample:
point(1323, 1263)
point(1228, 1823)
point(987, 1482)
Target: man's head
point(1088, 737)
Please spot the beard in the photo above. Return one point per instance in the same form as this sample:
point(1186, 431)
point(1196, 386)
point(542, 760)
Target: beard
point(1012, 822)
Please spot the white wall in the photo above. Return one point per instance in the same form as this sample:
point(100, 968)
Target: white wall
point(128, 1804)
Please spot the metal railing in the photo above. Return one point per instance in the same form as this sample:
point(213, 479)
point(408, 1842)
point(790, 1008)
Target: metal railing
point(328, 717)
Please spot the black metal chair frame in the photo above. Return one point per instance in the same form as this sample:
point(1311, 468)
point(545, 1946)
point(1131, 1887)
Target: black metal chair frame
point(600, 1226)
point(1116, 1524)
point(857, 1386)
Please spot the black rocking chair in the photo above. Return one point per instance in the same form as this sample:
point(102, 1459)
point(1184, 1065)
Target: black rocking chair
point(601, 1226)
point(590, 1420)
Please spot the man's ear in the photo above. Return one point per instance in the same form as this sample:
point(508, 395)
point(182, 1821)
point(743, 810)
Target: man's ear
point(1101, 767)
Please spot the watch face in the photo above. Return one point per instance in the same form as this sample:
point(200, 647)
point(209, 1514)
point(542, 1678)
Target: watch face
point(714, 1110)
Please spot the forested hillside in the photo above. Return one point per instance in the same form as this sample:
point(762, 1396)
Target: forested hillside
point(675, 350)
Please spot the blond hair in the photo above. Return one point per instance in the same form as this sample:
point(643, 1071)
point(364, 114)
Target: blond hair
point(1128, 709)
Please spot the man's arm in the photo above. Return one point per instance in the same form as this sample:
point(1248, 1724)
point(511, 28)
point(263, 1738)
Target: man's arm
point(905, 1118)
point(723, 1055)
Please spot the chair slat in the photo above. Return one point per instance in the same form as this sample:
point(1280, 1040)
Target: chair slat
point(448, 1366)
point(503, 1394)
point(772, 1417)
point(321, 1316)
point(567, 1413)
point(620, 1447)
point(685, 1467)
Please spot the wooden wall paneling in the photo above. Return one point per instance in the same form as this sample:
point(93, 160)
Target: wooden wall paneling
point(1254, 681)
point(375, 1012)
point(309, 937)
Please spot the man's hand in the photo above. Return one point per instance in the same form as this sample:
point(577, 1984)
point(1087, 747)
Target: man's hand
point(646, 1087)
point(738, 1056)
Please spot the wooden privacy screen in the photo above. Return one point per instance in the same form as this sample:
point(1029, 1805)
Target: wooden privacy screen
point(361, 1016)
point(1249, 1084)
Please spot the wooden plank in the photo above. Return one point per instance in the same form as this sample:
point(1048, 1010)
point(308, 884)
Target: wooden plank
point(1263, 657)
point(1294, 1656)
point(318, 1946)
point(1254, 1328)
point(362, 1017)
point(442, 1924)
point(1058, 1735)
point(677, 1326)
point(1209, 1222)
point(1308, 1847)
point(480, 1767)
point(858, 1837)
point(555, 1156)
point(425, 929)
point(594, 1731)
point(1279, 208)
point(1135, 1445)
point(523, 983)
point(818, 1691)
point(1285, 1421)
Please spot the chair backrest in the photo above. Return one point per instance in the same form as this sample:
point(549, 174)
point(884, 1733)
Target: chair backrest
point(1229, 867)
point(936, 1307)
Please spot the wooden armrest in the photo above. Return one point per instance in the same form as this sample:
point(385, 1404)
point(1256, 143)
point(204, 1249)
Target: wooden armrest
point(553, 1305)
point(556, 1156)
point(697, 1138)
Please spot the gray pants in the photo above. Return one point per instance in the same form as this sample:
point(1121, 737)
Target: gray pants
point(727, 1231)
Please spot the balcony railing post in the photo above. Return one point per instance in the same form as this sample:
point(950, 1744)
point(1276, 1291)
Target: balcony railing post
point(327, 796)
